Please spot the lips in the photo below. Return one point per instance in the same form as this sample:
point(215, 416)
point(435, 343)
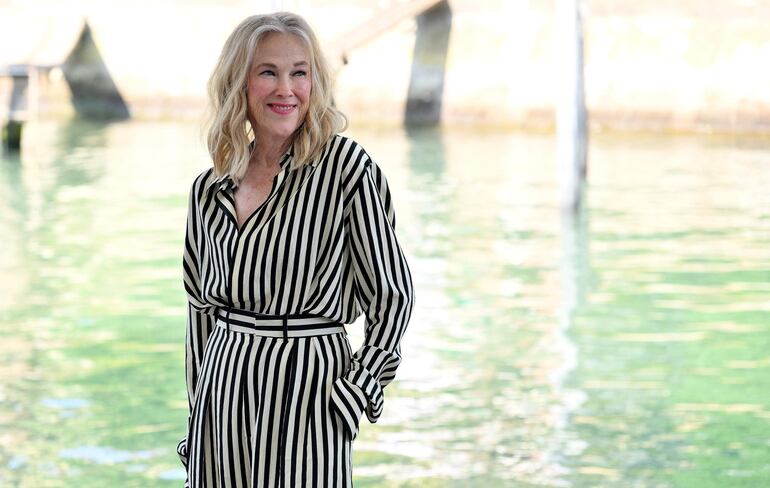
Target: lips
point(281, 108)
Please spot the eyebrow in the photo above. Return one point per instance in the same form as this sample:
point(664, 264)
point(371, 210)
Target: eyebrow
point(271, 65)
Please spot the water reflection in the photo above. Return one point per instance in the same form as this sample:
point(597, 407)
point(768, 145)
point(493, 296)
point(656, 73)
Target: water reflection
point(676, 297)
point(477, 403)
point(89, 324)
point(627, 347)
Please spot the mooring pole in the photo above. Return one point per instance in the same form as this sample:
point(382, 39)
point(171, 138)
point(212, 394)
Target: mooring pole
point(12, 135)
point(17, 106)
point(571, 117)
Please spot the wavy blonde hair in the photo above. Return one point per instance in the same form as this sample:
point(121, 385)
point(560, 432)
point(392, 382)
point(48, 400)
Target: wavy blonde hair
point(228, 132)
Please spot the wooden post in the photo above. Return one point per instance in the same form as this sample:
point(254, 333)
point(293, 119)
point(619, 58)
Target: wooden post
point(571, 117)
point(12, 135)
point(18, 106)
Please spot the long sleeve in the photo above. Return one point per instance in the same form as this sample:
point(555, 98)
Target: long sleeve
point(384, 287)
point(200, 317)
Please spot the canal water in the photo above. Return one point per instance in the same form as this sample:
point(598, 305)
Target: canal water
point(629, 346)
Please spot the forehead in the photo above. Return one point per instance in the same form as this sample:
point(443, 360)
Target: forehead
point(279, 48)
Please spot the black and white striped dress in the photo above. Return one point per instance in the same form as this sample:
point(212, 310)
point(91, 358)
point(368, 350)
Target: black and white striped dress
point(275, 391)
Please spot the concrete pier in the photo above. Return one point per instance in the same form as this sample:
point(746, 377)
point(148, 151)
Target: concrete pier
point(659, 65)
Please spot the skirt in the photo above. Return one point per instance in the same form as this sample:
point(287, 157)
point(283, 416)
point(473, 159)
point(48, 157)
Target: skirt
point(261, 415)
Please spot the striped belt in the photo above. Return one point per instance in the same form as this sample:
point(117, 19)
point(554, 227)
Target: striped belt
point(286, 325)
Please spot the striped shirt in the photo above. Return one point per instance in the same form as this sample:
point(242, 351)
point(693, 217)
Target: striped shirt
point(323, 242)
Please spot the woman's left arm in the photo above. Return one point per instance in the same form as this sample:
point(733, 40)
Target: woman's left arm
point(384, 285)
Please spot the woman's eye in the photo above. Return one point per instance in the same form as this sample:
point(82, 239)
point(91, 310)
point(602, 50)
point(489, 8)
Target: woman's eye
point(270, 72)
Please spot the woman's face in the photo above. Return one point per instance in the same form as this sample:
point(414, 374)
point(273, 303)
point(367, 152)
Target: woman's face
point(279, 86)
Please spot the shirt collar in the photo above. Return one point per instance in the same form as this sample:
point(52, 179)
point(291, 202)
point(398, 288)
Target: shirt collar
point(226, 181)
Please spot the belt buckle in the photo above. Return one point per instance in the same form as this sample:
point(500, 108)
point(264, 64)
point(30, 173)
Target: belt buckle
point(286, 326)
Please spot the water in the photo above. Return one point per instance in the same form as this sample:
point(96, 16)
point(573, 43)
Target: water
point(628, 347)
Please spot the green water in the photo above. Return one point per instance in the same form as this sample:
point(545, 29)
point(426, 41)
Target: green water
point(629, 347)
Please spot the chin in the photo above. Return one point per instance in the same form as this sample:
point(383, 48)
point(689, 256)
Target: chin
point(286, 131)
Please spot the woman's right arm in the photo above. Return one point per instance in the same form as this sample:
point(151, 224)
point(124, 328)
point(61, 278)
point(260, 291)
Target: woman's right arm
point(200, 315)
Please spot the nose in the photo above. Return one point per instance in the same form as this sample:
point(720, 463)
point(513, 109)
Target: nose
point(284, 87)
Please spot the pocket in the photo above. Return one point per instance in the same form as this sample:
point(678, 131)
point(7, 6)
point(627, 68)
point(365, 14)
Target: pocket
point(346, 400)
point(348, 350)
point(334, 352)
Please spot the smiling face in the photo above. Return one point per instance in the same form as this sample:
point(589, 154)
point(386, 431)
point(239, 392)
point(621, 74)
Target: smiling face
point(279, 86)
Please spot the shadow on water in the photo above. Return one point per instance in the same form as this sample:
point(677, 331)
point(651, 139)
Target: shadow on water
point(426, 150)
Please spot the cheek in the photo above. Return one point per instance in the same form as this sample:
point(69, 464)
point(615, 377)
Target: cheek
point(256, 92)
point(305, 89)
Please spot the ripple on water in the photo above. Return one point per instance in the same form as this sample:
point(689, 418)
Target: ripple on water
point(107, 455)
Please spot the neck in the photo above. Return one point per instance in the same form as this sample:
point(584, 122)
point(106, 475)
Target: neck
point(269, 151)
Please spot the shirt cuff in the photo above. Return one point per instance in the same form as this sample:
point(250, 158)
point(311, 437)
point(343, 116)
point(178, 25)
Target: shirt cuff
point(181, 450)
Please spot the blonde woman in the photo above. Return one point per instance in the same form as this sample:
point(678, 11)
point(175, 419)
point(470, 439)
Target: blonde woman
point(290, 236)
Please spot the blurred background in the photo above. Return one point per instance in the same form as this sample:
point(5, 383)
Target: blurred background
point(574, 327)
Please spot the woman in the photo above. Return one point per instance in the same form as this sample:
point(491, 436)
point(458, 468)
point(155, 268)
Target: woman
point(290, 235)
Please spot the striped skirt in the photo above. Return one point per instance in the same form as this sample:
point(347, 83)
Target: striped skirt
point(261, 415)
